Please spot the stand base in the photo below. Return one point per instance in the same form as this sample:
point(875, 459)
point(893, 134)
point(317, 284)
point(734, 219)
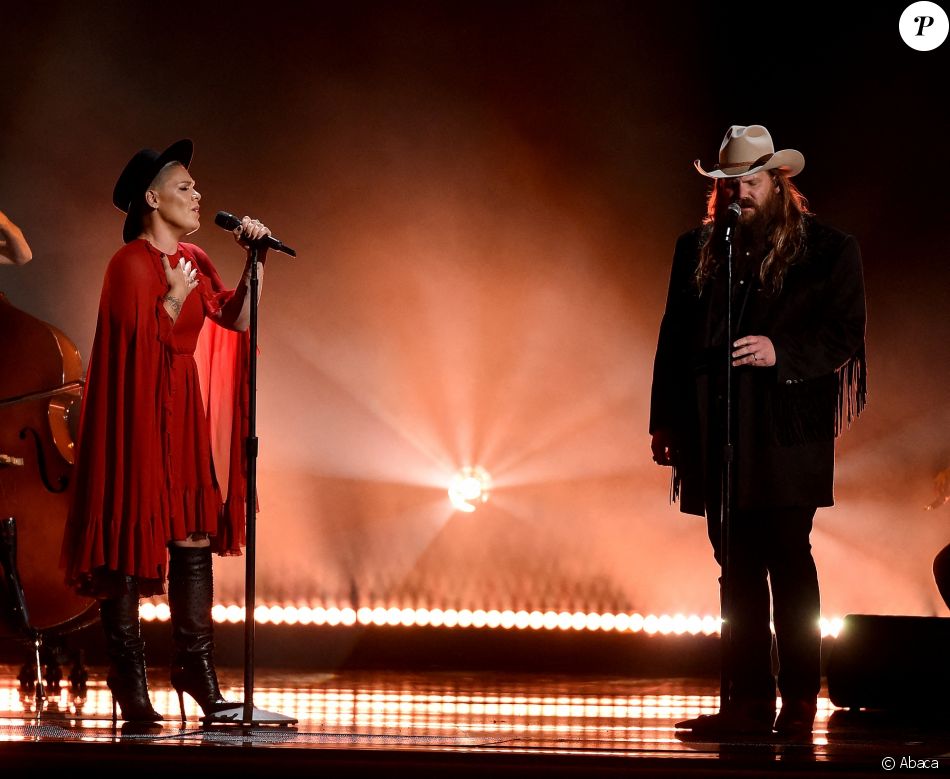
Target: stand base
point(234, 717)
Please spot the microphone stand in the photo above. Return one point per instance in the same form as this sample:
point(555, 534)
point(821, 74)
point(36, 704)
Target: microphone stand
point(725, 513)
point(247, 716)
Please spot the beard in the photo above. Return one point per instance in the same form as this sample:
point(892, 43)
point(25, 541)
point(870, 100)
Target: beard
point(756, 229)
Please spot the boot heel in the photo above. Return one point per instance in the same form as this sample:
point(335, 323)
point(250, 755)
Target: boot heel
point(127, 676)
point(199, 680)
point(181, 705)
point(190, 597)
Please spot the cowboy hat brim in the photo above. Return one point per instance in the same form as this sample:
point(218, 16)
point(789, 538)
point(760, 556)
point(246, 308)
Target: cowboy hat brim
point(140, 171)
point(789, 161)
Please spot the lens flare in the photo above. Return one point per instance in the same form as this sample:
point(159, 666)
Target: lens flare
point(469, 487)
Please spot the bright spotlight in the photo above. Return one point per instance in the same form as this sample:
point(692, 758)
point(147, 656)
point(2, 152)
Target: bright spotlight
point(469, 487)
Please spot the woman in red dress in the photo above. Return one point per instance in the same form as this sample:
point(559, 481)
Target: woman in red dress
point(148, 495)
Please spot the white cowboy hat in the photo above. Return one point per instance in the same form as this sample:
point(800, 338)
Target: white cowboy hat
point(747, 150)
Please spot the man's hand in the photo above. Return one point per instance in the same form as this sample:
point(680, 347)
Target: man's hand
point(754, 350)
point(664, 449)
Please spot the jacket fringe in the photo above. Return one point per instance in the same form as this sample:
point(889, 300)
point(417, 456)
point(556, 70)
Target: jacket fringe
point(819, 409)
point(852, 391)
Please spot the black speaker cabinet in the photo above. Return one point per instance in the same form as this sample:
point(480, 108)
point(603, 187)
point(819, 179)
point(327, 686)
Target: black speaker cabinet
point(887, 662)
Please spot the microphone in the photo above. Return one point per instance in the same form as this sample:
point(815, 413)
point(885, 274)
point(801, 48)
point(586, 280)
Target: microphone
point(731, 219)
point(228, 222)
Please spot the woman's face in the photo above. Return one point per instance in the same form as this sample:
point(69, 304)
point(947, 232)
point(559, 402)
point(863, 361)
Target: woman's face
point(174, 199)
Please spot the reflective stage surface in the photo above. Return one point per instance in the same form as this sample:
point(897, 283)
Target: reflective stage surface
point(436, 724)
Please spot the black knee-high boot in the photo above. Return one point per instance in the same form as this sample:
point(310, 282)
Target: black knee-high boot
point(127, 679)
point(190, 595)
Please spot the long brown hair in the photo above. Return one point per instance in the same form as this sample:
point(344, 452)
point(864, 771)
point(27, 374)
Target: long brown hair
point(786, 239)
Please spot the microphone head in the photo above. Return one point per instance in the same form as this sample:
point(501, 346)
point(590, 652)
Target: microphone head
point(734, 209)
point(226, 221)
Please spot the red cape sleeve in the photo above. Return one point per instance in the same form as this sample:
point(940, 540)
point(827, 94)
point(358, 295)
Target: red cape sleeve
point(118, 519)
point(222, 357)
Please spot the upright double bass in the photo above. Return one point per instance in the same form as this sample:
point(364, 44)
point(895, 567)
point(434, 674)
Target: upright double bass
point(40, 390)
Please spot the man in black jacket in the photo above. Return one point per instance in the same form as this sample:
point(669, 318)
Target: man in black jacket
point(798, 375)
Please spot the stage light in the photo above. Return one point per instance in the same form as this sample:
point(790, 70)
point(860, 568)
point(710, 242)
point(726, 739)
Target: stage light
point(395, 616)
point(831, 627)
point(157, 612)
point(469, 487)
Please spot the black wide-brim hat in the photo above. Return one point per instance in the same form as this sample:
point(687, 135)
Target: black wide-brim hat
point(141, 171)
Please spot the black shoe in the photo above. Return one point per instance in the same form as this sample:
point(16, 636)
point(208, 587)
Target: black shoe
point(130, 692)
point(797, 718)
point(127, 679)
point(190, 595)
point(134, 729)
point(197, 677)
point(738, 719)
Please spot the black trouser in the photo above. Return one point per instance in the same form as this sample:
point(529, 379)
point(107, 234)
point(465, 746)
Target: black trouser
point(771, 546)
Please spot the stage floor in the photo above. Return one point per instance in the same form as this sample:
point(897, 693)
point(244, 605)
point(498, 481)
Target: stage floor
point(440, 724)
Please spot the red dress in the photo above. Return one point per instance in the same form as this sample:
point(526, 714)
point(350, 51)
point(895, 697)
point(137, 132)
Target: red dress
point(145, 473)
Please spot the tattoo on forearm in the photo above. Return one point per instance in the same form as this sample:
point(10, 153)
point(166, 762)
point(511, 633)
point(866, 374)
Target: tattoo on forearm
point(174, 302)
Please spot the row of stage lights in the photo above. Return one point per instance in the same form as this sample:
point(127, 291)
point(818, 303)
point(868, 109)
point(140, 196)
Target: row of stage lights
point(650, 624)
point(470, 487)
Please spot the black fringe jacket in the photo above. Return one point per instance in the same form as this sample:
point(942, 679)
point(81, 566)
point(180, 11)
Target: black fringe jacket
point(785, 417)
